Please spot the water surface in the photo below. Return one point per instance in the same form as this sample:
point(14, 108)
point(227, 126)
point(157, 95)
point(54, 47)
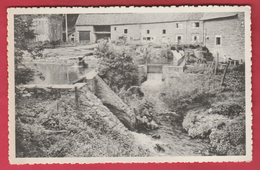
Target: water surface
point(57, 74)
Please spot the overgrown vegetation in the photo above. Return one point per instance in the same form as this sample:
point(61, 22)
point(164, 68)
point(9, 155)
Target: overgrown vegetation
point(117, 68)
point(23, 34)
point(211, 110)
point(56, 128)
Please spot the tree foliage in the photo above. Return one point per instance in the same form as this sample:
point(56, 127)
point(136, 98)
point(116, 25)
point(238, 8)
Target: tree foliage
point(117, 67)
point(23, 33)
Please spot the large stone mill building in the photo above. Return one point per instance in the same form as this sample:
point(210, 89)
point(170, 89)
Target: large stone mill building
point(223, 33)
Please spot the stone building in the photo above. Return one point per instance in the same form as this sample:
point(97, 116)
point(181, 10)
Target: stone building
point(225, 34)
point(222, 33)
point(47, 27)
point(173, 27)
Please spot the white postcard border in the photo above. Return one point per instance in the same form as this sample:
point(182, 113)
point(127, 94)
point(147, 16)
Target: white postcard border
point(160, 9)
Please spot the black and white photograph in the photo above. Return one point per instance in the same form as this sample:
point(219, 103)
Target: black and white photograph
point(129, 84)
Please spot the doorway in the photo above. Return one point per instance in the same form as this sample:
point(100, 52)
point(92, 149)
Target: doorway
point(84, 37)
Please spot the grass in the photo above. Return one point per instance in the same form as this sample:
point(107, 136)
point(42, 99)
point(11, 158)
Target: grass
point(209, 109)
point(44, 131)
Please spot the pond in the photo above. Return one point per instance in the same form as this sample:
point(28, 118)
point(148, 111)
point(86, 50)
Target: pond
point(57, 74)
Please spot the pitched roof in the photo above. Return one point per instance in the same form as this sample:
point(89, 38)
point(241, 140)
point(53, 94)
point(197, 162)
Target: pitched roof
point(136, 18)
point(218, 15)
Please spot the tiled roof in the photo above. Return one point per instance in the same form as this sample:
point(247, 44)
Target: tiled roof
point(217, 15)
point(136, 18)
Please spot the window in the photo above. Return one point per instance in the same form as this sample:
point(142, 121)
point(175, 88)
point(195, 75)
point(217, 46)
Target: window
point(178, 39)
point(178, 25)
point(125, 31)
point(196, 24)
point(115, 28)
point(148, 31)
point(144, 38)
point(218, 40)
point(148, 38)
point(164, 31)
point(195, 38)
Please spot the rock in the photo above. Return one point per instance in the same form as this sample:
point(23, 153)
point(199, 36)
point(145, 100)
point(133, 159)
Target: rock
point(144, 120)
point(159, 148)
point(28, 120)
point(156, 136)
point(152, 125)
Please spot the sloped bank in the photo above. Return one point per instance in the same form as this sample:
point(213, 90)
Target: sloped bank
point(210, 110)
point(59, 127)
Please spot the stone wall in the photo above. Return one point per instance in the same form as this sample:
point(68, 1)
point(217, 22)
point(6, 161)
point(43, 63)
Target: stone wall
point(156, 33)
point(142, 72)
point(133, 32)
point(171, 71)
point(186, 31)
point(232, 33)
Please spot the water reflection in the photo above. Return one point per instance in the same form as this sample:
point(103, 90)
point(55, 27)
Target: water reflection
point(58, 74)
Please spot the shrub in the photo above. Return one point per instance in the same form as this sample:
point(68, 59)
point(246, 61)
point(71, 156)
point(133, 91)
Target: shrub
point(70, 132)
point(187, 89)
point(117, 68)
point(23, 34)
point(235, 78)
point(227, 108)
point(199, 123)
point(230, 138)
point(23, 75)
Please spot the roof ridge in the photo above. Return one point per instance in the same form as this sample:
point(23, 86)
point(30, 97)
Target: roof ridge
point(134, 18)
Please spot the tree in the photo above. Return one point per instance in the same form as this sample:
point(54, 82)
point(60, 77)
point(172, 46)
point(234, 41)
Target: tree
point(117, 67)
point(23, 33)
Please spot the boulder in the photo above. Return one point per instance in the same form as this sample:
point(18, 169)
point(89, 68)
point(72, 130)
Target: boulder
point(110, 99)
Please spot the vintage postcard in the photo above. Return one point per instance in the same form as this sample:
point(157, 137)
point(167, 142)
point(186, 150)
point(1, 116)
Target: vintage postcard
point(129, 84)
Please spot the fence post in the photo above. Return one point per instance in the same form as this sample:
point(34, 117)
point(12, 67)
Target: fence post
point(224, 75)
point(77, 97)
point(216, 63)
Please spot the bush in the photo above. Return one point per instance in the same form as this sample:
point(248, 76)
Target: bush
point(229, 139)
point(23, 75)
point(116, 67)
point(23, 34)
point(69, 131)
point(199, 123)
point(187, 89)
point(227, 108)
